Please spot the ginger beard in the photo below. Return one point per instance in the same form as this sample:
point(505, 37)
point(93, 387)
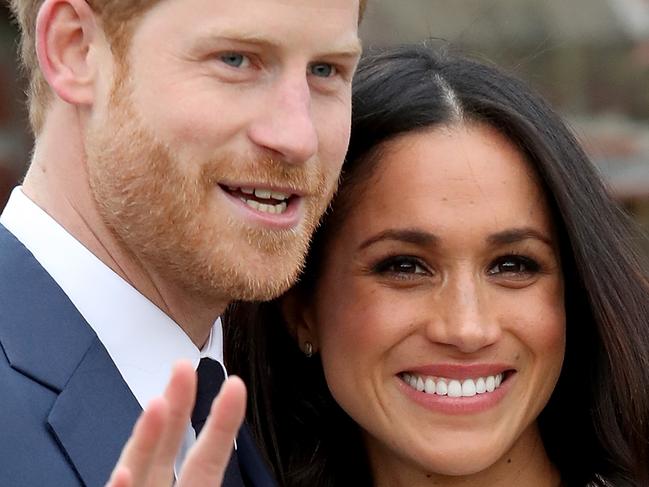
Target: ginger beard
point(166, 212)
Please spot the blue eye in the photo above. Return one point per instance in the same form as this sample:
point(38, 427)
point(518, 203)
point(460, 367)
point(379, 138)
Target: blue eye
point(234, 59)
point(323, 70)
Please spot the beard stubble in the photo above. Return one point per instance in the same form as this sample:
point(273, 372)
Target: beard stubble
point(165, 211)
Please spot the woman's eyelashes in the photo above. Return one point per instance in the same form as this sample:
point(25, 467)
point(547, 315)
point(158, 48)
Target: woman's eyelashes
point(401, 267)
point(409, 267)
point(514, 266)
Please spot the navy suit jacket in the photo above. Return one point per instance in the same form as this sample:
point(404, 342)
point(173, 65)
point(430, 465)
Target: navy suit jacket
point(65, 411)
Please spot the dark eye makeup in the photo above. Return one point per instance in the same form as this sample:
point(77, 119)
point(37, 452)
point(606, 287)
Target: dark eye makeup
point(513, 265)
point(405, 266)
point(410, 267)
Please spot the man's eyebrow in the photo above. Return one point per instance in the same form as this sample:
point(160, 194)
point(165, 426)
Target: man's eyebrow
point(514, 235)
point(352, 48)
point(235, 36)
point(406, 235)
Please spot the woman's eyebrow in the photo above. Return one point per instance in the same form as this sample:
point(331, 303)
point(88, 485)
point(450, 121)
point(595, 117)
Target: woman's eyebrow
point(514, 235)
point(407, 235)
point(423, 238)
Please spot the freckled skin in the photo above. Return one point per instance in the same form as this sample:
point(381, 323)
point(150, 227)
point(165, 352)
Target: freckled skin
point(182, 121)
point(454, 304)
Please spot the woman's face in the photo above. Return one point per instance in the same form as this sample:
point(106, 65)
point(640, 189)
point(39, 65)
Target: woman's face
point(439, 312)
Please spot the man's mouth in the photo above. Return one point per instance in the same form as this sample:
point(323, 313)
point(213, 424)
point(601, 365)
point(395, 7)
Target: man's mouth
point(261, 199)
point(442, 386)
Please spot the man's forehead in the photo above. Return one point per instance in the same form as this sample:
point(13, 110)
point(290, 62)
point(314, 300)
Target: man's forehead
point(333, 23)
point(323, 26)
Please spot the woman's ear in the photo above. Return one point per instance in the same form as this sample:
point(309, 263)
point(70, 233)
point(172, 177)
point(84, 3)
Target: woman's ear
point(66, 31)
point(298, 316)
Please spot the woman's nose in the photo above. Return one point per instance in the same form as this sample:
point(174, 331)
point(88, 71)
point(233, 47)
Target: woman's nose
point(464, 317)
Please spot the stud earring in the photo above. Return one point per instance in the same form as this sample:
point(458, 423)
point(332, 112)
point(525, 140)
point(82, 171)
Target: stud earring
point(308, 349)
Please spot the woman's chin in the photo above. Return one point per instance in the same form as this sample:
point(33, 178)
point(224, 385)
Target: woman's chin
point(459, 463)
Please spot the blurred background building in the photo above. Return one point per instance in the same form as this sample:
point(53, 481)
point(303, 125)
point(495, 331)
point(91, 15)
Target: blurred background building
point(589, 57)
point(15, 140)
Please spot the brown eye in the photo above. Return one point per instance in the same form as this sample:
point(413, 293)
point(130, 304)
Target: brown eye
point(401, 265)
point(513, 265)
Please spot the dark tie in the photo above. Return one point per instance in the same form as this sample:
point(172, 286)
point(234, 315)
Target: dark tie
point(210, 378)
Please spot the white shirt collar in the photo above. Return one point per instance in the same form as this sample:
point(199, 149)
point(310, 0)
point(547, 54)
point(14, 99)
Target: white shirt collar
point(143, 341)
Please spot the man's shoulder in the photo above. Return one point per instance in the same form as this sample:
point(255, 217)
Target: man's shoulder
point(26, 400)
point(16, 262)
point(42, 334)
point(9, 244)
point(29, 453)
point(63, 402)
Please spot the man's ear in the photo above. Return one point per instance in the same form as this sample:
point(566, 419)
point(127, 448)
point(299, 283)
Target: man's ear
point(65, 33)
point(298, 317)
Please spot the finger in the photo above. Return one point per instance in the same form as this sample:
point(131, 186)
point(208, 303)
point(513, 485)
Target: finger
point(208, 458)
point(139, 453)
point(121, 477)
point(180, 394)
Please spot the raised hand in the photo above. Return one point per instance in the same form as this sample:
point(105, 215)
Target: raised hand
point(148, 457)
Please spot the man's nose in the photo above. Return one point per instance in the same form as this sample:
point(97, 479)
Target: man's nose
point(464, 319)
point(285, 127)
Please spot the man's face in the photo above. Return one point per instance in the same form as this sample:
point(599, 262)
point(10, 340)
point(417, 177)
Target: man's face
point(220, 142)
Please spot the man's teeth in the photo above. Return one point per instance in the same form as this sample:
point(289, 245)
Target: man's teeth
point(265, 194)
point(452, 387)
point(273, 209)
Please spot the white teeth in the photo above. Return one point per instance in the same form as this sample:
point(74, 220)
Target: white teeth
point(468, 388)
point(263, 193)
point(253, 204)
point(276, 195)
point(490, 383)
point(272, 209)
point(480, 386)
point(453, 387)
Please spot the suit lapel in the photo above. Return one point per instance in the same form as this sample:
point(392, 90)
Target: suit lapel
point(92, 421)
point(42, 333)
point(45, 338)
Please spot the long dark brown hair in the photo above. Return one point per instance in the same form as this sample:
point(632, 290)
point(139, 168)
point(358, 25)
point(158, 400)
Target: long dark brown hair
point(596, 425)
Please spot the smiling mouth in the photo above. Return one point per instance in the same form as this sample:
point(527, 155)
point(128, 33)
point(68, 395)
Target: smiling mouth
point(442, 386)
point(262, 200)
